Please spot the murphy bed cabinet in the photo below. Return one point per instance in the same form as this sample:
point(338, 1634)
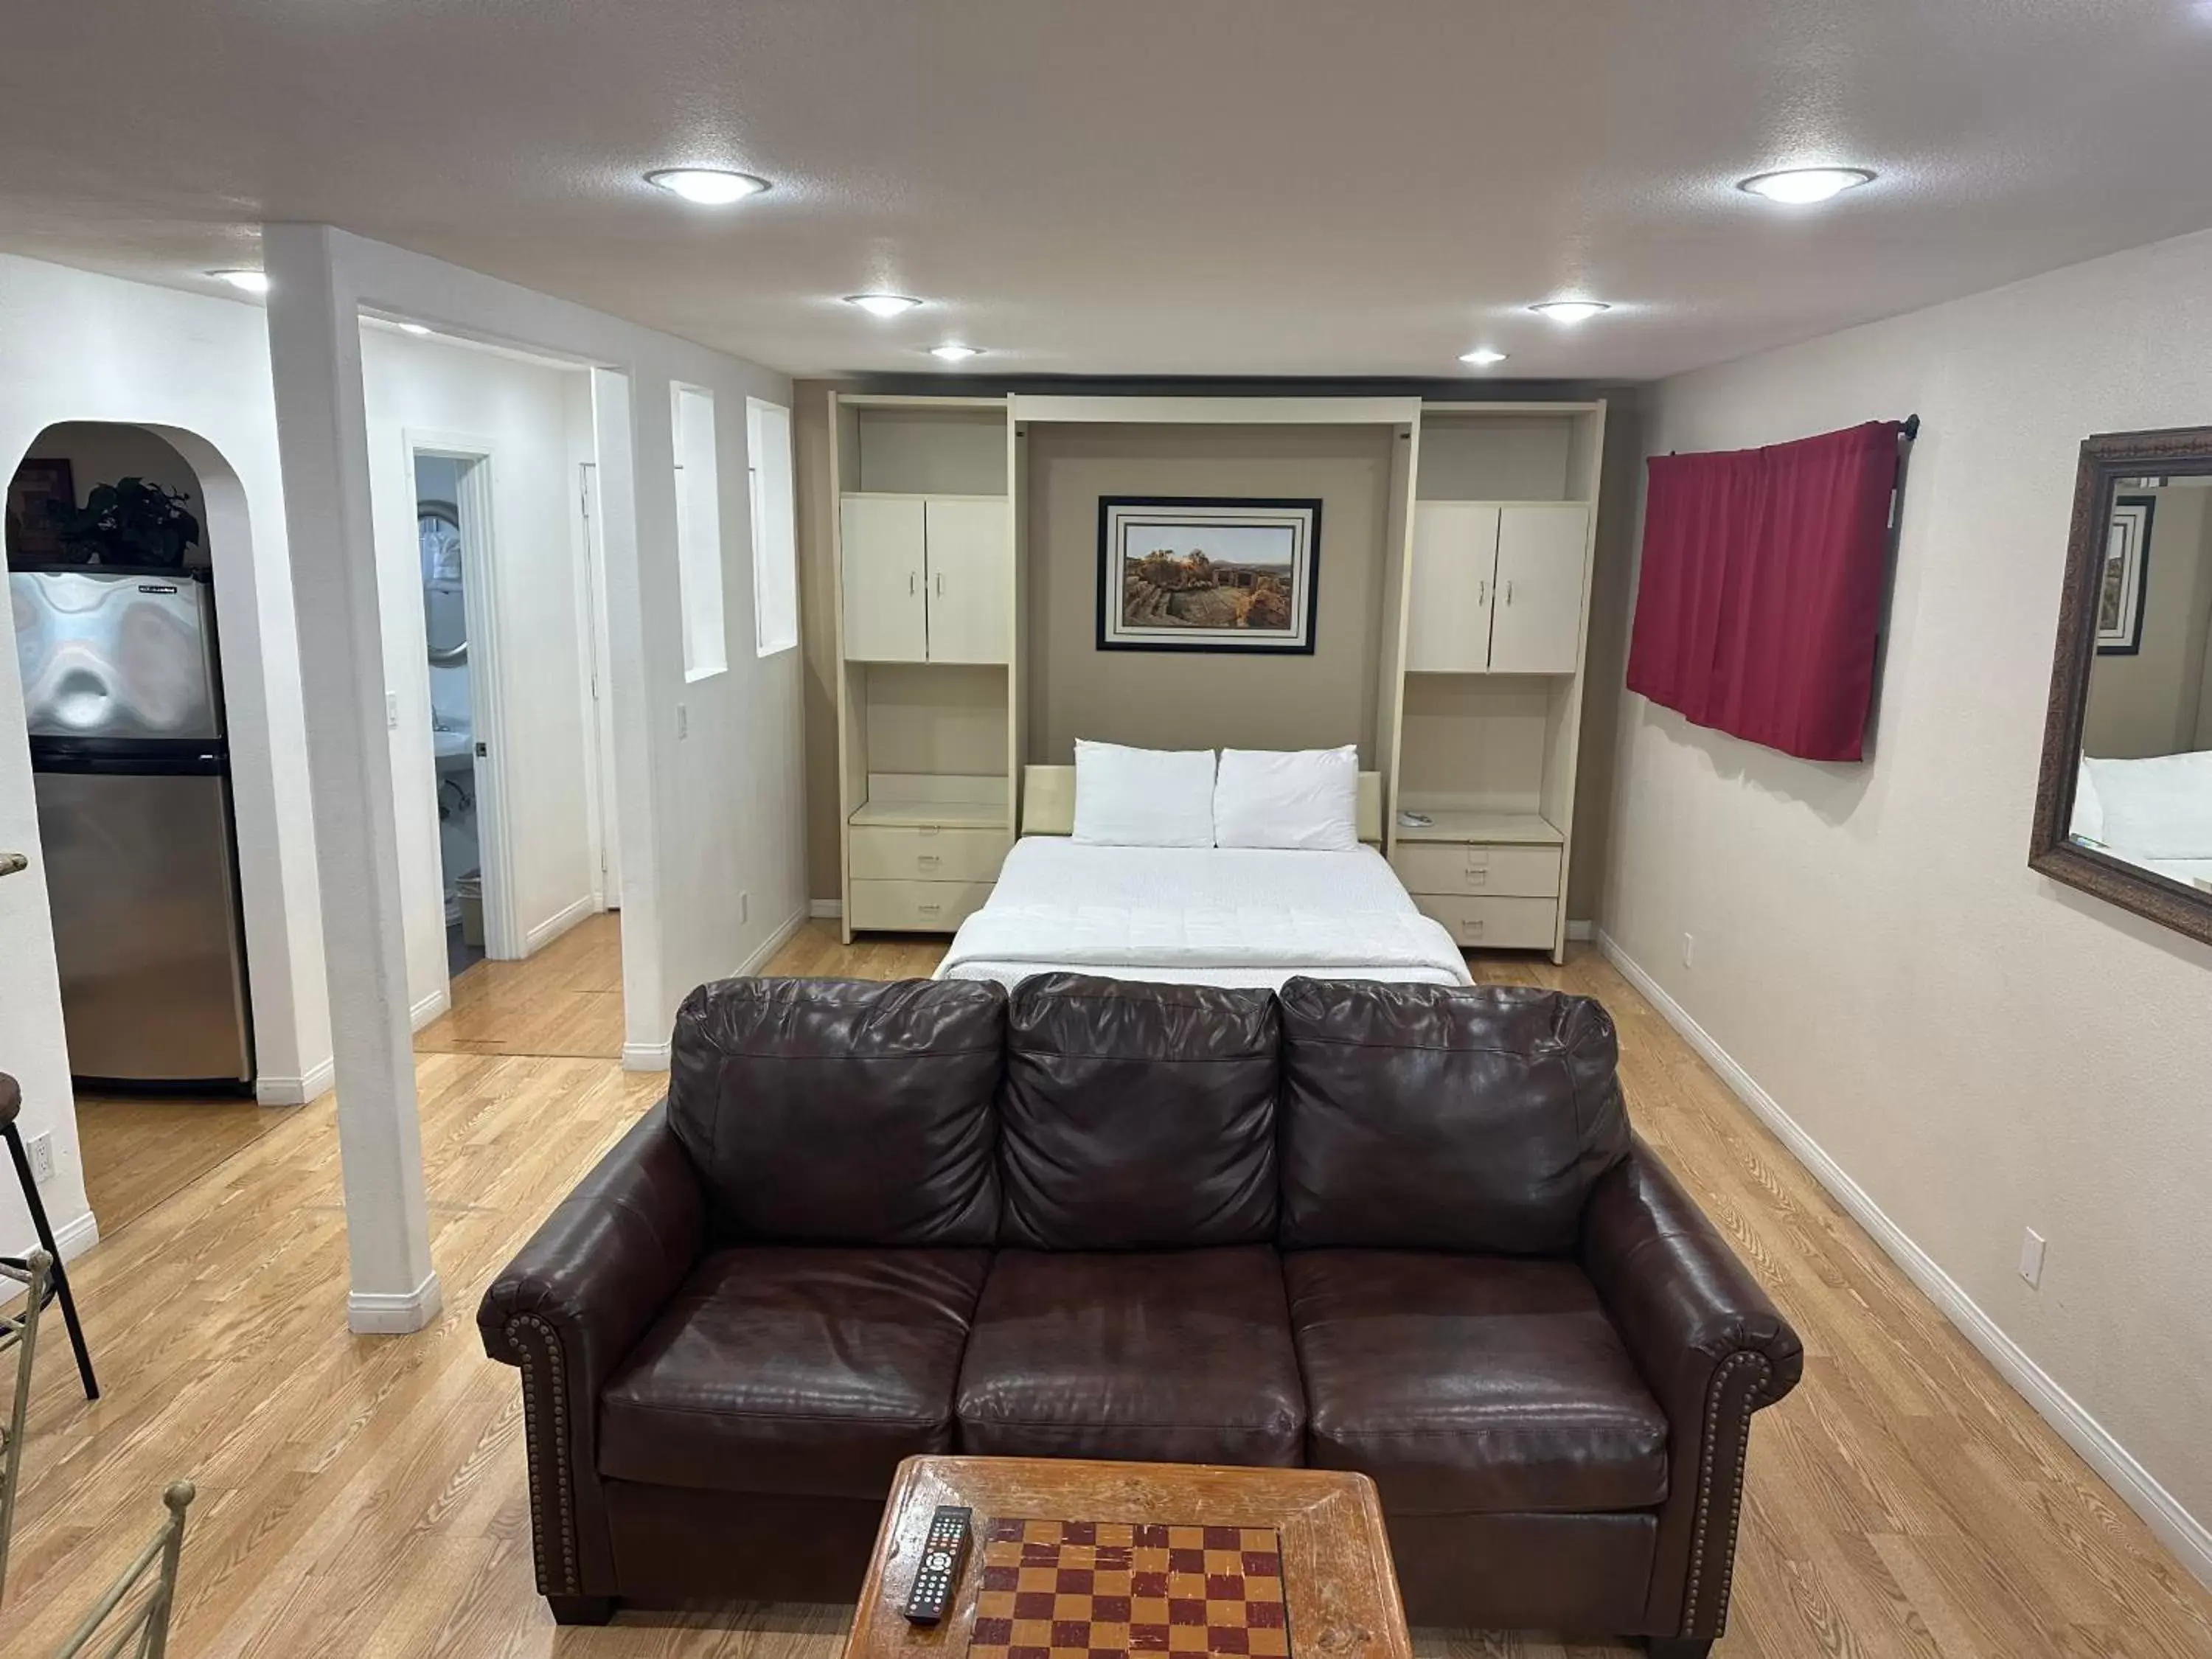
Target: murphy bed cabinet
point(1486, 529)
point(1489, 695)
point(926, 592)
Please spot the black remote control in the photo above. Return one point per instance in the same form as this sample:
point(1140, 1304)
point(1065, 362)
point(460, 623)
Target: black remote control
point(943, 1550)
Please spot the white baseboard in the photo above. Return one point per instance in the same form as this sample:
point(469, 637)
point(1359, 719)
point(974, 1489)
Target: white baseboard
point(432, 1006)
point(379, 1313)
point(2177, 1529)
point(654, 1056)
point(299, 1090)
point(551, 929)
point(825, 909)
point(760, 958)
point(1581, 932)
point(75, 1236)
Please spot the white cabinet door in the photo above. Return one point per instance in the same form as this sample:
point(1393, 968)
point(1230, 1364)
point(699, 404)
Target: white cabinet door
point(1455, 564)
point(886, 617)
point(971, 581)
point(1538, 619)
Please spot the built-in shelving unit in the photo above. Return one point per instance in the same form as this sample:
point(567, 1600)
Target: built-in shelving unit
point(1487, 717)
point(928, 594)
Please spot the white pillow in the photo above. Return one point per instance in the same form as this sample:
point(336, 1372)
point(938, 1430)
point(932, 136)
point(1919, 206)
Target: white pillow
point(2156, 808)
point(1306, 799)
point(1143, 797)
point(2088, 811)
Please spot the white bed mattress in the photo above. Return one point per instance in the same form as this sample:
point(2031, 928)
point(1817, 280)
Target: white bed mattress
point(1218, 915)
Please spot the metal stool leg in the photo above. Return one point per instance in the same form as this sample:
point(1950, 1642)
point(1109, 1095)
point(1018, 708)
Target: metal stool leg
point(61, 1283)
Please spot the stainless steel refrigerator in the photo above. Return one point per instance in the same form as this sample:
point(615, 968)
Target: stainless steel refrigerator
point(122, 696)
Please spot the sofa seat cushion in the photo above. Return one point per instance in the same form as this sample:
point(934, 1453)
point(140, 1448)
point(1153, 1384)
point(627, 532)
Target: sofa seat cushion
point(1173, 1356)
point(785, 1369)
point(1468, 1384)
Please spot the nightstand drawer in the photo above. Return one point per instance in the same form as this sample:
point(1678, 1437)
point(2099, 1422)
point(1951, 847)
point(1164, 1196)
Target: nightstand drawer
point(917, 855)
point(1506, 924)
point(917, 906)
point(1477, 868)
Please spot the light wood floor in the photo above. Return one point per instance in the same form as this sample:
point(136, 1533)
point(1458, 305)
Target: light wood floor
point(366, 1496)
point(566, 1000)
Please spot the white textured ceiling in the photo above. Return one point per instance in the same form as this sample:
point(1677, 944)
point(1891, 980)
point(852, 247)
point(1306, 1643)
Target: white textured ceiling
point(1132, 186)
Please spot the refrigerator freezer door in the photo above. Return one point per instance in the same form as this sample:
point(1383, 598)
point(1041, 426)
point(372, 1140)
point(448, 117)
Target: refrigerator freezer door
point(138, 869)
point(111, 655)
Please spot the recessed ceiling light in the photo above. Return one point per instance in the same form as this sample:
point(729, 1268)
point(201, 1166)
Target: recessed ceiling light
point(413, 328)
point(709, 187)
point(249, 281)
point(882, 305)
point(1801, 187)
point(1482, 357)
point(1570, 311)
point(950, 353)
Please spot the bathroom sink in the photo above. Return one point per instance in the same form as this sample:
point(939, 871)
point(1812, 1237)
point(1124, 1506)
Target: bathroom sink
point(450, 745)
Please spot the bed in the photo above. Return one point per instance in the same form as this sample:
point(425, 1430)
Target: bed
point(1196, 915)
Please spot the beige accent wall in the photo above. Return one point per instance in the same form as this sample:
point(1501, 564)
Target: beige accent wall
point(2147, 702)
point(1186, 700)
point(1973, 1049)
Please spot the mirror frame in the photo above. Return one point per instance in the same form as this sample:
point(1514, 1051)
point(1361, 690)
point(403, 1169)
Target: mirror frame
point(2108, 459)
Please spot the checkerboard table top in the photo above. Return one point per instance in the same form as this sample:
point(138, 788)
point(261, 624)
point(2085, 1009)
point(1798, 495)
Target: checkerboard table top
point(1085, 1560)
point(1105, 1590)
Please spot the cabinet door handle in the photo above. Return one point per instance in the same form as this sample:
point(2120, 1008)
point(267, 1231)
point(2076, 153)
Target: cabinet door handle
point(1509, 593)
point(941, 584)
point(1481, 594)
point(913, 581)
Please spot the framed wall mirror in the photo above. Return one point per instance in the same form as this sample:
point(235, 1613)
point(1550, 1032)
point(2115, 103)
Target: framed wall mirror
point(2123, 808)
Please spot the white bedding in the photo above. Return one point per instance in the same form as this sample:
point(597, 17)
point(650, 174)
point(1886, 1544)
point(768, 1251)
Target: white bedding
point(1213, 915)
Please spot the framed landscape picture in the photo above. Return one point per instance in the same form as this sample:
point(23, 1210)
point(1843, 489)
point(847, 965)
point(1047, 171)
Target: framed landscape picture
point(1179, 573)
point(2127, 564)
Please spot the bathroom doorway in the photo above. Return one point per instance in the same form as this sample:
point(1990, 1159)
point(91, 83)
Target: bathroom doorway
point(452, 528)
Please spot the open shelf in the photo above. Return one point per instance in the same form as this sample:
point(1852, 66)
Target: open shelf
point(1456, 824)
point(896, 807)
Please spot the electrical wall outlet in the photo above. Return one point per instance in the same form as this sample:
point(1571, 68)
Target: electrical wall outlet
point(2030, 1257)
point(683, 721)
point(1689, 948)
point(39, 1149)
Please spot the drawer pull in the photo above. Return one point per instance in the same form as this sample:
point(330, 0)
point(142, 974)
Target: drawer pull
point(928, 860)
point(1478, 876)
point(1472, 929)
point(929, 909)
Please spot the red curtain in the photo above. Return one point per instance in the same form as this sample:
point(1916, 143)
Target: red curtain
point(1759, 603)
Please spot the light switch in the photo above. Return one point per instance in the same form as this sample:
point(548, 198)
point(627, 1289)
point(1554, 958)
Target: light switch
point(391, 711)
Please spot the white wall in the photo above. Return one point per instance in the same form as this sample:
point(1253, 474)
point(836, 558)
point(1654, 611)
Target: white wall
point(1977, 1048)
point(77, 347)
point(421, 391)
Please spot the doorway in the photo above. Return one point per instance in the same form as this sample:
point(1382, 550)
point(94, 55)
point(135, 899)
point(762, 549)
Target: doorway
point(112, 584)
point(452, 530)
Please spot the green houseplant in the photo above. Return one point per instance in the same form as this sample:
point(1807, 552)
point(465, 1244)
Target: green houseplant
point(129, 522)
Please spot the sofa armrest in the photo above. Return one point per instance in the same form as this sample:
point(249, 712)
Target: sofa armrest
point(1712, 1348)
point(568, 1309)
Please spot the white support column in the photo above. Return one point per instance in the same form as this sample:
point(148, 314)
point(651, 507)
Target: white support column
point(315, 345)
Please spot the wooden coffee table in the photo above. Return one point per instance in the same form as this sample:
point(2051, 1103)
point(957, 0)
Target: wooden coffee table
point(1076, 1560)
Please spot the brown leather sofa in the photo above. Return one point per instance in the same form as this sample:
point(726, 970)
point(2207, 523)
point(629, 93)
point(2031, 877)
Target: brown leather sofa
point(1396, 1229)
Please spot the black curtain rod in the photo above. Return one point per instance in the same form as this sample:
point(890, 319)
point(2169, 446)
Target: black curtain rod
point(1908, 428)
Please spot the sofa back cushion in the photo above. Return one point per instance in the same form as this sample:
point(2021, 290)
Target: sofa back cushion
point(1138, 1116)
point(1444, 1117)
point(842, 1112)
